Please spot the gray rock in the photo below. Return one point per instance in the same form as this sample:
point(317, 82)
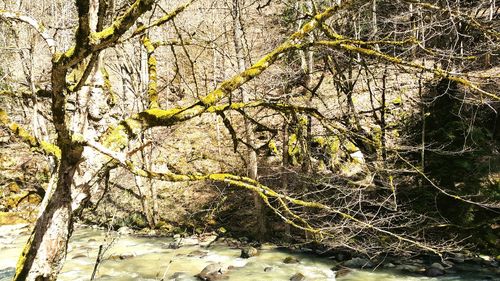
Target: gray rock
point(248, 252)
point(437, 265)
point(207, 240)
point(77, 256)
point(190, 241)
point(410, 268)
point(211, 272)
point(268, 269)
point(433, 272)
point(389, 265)
point(358, 263)
point(298, 277)
point(458, 258)
point(125, 230)
point(198, 253)
point(343, 272)
point(122, 256)
point(179, 276)
point(290, 259)
point(172, 245)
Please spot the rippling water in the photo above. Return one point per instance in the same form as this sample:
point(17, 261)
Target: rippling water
point(141, 258)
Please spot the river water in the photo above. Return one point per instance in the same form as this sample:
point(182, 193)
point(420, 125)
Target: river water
point(144, 258)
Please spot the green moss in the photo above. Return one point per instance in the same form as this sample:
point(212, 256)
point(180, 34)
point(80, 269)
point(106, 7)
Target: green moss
point(112, 99)
point(321, 141)
point(397, 101)
point(51, 149)
point(273, 149)
point(103, 34)
point(7, 218)
point(116, 137)
point(293, 149)
point(152, 83)
point(218, 177)
point(333, 145)
point(43, 147)
point(350, 147)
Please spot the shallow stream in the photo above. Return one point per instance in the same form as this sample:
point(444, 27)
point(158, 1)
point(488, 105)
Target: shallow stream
point(145, 258)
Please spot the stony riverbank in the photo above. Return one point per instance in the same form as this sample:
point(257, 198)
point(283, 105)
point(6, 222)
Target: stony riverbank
point(149, 255)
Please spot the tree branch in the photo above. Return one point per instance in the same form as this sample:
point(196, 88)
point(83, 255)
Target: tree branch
point(39, 28)
point(39, 146)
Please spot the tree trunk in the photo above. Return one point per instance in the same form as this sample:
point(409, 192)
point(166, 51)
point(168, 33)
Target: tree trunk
point(43, 255)
point(252, 165)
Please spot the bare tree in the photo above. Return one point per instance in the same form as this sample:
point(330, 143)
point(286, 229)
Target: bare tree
point(90, 140)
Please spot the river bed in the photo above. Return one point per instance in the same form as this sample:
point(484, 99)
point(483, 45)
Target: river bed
point(130, 257)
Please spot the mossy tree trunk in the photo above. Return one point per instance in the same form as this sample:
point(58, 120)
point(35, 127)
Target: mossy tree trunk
point(252, 163)
point(43, 255)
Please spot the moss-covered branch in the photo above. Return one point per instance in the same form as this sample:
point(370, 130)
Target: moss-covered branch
point(152, 74)
point(117, 138)
point(163, 19)
point(265, 192)
point(37, 145)
point(88, 43)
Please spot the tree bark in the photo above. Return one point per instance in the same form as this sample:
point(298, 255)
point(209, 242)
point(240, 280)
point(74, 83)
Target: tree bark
point(252, 165)
point(43, 255)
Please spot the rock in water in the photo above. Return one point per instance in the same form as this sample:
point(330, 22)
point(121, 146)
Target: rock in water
point(125, 230)
point(342, 272)
point(198, 253)
point(433, 272)
point(211, 272)
point(248, 252)
point(298, 277)
point(290, 259)
point(437, 266)
point(358, 263)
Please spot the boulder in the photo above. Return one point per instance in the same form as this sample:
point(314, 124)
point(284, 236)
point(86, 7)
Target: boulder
point(207, 240)
point(389, 265)
point(268, 269)
point(410, 268)
point(433, 272)
point(125, 230)
point(77, 256)
point(211, 272)
point(298, 277)
point(437, 266)
point(458, 258)
point(198, 253)
point(248, 252)
point(340, 272)
point(122, 256)
point(188, 241)
point(171, 245)
point(290, 259)
point(178, 276)
point(358, 263)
